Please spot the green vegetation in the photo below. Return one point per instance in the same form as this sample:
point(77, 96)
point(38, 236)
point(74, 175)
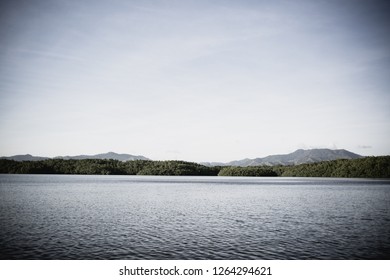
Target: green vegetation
point(178, 168)
point(368, 167)
point(106, 167)
point(250, 171)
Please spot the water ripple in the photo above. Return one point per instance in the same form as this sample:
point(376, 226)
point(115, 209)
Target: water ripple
point(89, 217)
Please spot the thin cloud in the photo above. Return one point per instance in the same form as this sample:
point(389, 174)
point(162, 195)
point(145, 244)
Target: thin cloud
point(365, 147)
point(216, 81)
point(52, 55)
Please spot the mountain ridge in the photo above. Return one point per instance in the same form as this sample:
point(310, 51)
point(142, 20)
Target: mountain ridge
point(299, 156)
point(26, 157)
point(109, 155)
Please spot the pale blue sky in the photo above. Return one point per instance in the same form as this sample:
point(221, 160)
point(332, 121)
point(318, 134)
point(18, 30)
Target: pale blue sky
point(194, 80)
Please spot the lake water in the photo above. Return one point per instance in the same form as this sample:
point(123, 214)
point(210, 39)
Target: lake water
point(145, 217)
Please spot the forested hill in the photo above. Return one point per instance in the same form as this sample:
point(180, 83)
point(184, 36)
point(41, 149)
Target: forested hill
point(298, 157)
point(106, 167)
point(109, 155)
point(368, 167)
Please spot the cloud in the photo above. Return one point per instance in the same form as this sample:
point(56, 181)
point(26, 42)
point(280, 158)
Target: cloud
point(51, 55)
point(304, 146)
point(365, 147)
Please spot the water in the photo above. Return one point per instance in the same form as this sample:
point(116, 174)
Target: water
point(144, 217)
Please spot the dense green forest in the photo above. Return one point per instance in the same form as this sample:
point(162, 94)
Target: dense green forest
point(107, 167)
point(250, 171)
point(368, 167)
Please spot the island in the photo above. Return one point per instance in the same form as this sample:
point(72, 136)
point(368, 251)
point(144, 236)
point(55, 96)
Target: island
point(365, 167)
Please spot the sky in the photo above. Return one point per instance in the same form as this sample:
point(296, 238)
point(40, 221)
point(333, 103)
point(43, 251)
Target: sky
point(194, 80)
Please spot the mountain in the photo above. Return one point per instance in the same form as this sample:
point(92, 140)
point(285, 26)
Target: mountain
point(298, 157)
point(110, 155)
point(27, 157)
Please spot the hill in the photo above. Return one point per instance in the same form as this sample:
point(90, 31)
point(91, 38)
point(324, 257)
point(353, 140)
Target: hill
point(27, 157)
point(367, 167)
point(295, 158)
point(298, 157)
point(110, 155)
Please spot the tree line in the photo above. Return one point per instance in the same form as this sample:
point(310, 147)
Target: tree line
point(368, 167)
point(249, 171)
point(106, 167)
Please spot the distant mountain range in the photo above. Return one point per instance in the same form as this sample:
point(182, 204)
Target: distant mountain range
point(110, 155)
point(298, 157)
point(27, 157)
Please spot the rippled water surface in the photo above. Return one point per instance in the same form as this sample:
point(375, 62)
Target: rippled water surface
point(142, 217)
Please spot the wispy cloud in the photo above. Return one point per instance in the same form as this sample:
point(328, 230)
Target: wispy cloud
point(365, 147)
point(49, 55)
point(195, 76)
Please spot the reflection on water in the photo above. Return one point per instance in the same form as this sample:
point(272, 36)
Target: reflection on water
point(142, 217)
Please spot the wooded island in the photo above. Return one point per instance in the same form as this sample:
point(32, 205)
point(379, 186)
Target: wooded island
point(367, 167)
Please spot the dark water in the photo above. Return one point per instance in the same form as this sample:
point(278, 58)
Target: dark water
point(140, 217)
